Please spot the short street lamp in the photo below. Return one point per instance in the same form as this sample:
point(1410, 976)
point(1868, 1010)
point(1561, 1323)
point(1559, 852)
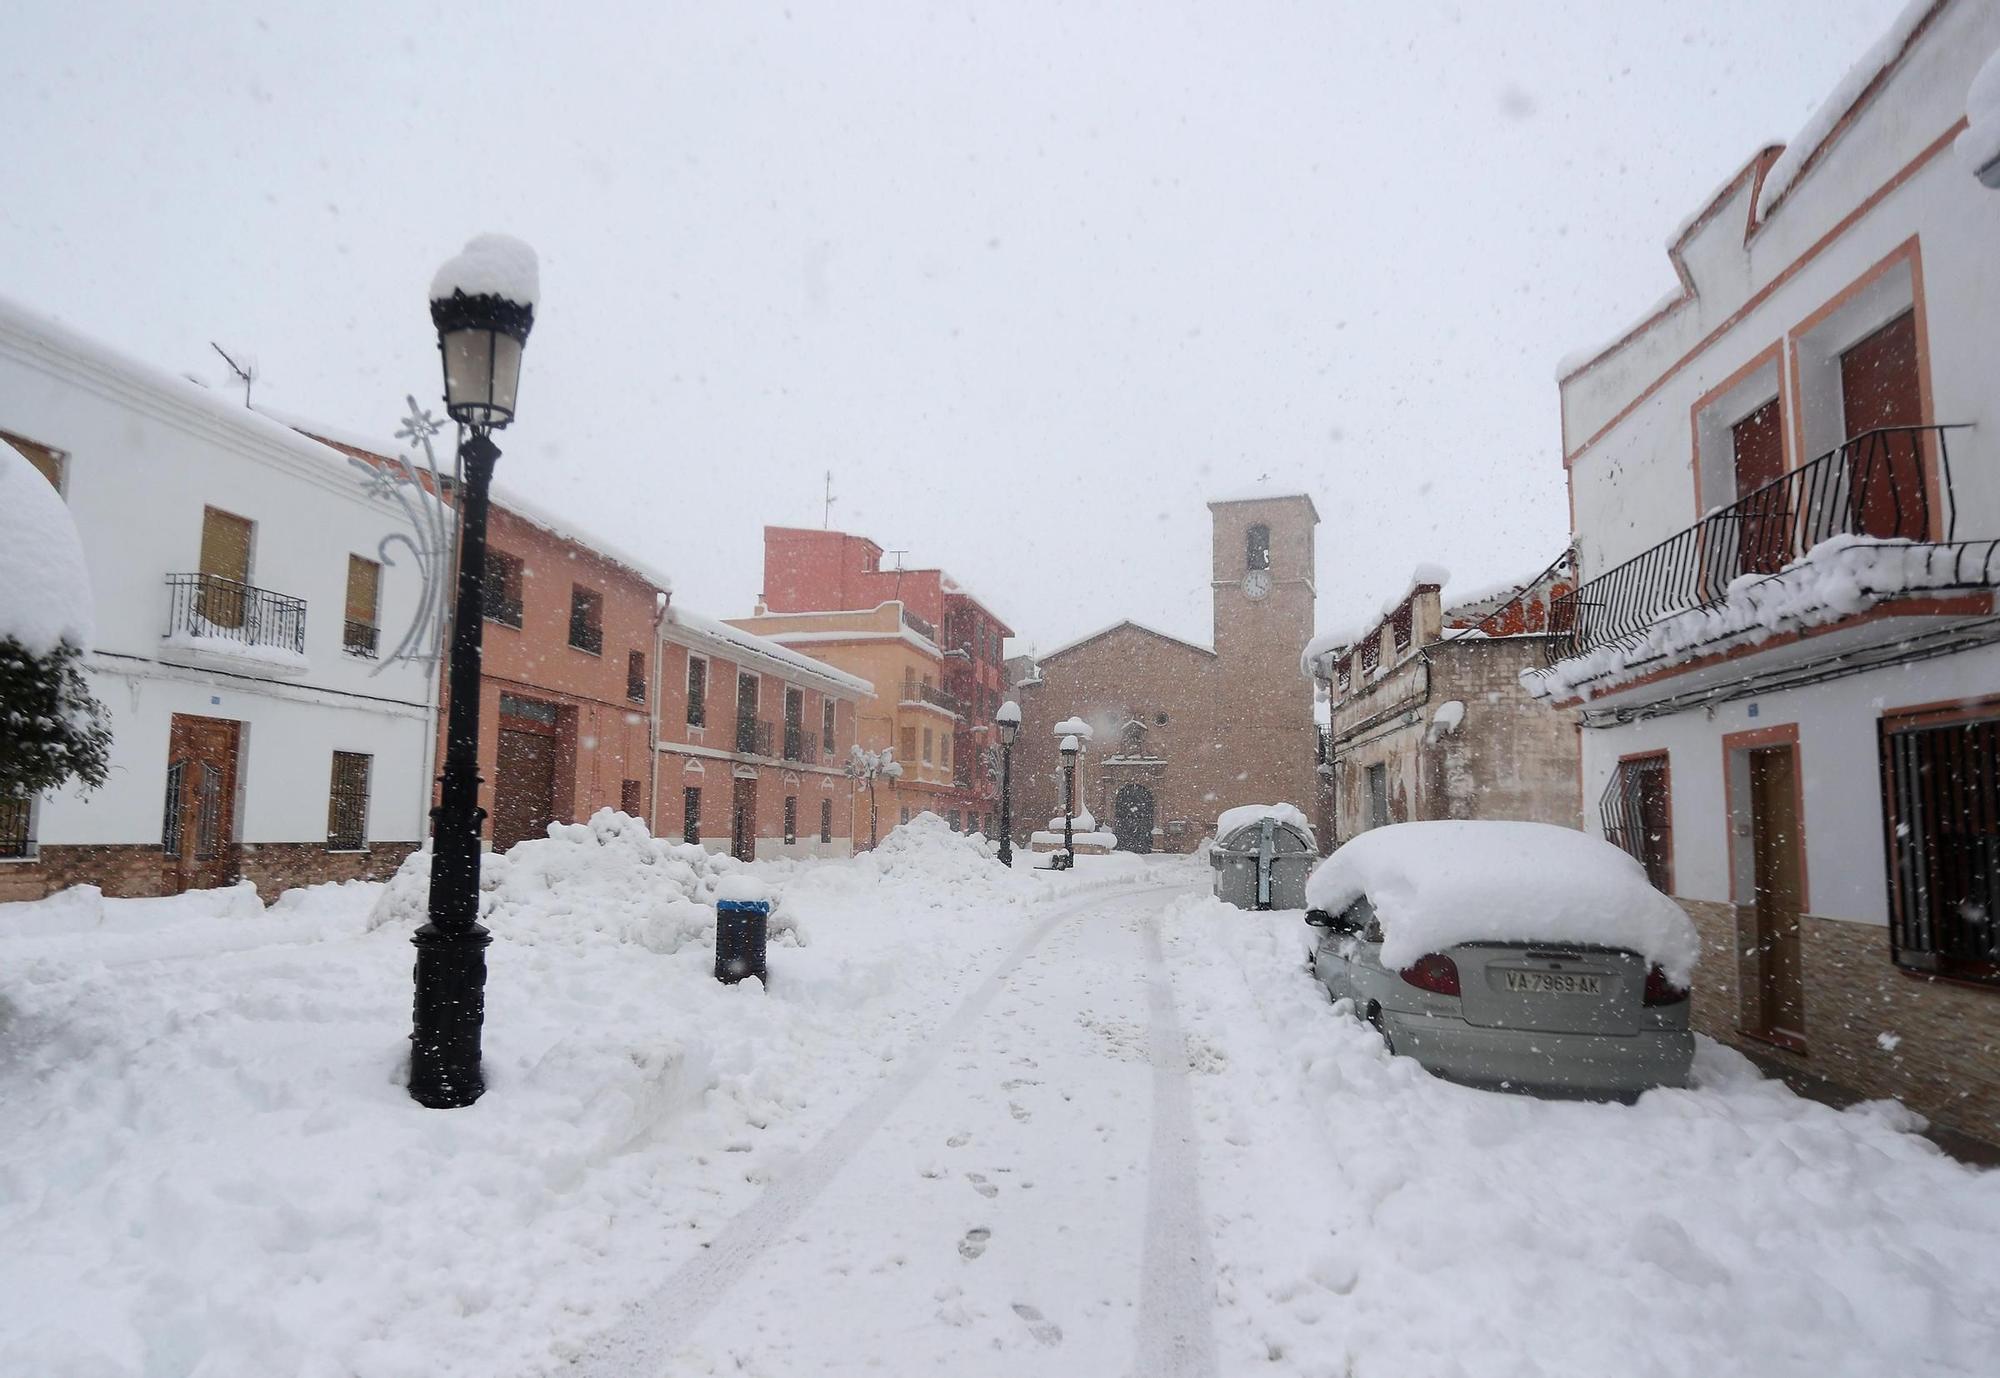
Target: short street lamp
point(483, 304)
point(1008, 720)
point(1070, 746)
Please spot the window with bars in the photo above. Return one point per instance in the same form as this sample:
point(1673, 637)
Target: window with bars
point(17, 827)
point(691, 814)
point(586, 619)
point(1637, 813)
point(1401, 625)
point(630, 797)
point(826, 711)
point(504, 577)
point(697, 712)
point(1941, 799)
point(347, 802)
point(359, 633)
point(635, 676)
point(1371, 653)
point(826, 820)
point(791, 819)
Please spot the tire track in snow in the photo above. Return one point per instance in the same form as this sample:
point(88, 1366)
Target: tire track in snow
point(640, 1345)
point(1177, 1278)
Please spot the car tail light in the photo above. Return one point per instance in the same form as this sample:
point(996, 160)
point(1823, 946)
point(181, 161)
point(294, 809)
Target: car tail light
point(1433, 972)
point(1661, 991)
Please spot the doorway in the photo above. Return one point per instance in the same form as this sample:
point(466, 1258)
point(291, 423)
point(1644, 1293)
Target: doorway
point(1778, 893)
point(1132, 819)
point(524, 787)
point(1758, 442)
point(1879, 388)
point(743, 820)
point(199, 831)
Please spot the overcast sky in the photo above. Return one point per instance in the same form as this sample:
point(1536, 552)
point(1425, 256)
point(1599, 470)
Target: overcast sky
point(1032, 281)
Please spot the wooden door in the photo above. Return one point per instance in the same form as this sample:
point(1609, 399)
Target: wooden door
point(225, 566)
point(199, 831)
point(743, 821)
point(1132, 819)
point(1764, 527)
point(1780, 889)
point(524, 787)
point(1879, 388)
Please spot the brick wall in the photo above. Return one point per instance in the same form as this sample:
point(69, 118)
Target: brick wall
point(280, 866)
point(143, 871)
point(1945, 1062)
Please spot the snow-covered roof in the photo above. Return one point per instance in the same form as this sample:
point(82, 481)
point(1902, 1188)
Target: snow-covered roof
point(42, 568)
point(45, 336)
point(1979, 145)
point(1434, 885)
point(1255, 493)
point(1068, 646)
point(1847, 93)
point(504, 497)
point(495, 265)
point(739, 644)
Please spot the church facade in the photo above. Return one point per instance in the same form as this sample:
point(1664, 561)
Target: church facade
point(1181, 731)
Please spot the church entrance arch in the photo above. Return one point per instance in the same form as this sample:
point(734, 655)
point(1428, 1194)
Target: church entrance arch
point(1132, 819)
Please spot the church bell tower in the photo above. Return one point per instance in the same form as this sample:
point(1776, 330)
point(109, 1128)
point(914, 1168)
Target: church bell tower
point(1261, 563)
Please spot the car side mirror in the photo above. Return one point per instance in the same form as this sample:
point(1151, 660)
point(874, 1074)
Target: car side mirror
point(1319, 918)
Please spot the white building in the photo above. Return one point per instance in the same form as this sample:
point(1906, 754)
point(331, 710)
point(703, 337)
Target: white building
point(1804, 749)
point(241, 610)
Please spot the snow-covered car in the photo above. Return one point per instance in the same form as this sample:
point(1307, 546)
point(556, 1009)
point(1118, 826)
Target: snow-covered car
point(1509, 955)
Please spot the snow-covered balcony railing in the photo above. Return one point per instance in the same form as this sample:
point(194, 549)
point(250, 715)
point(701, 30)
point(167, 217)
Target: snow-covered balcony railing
point(1893, 483)
point(800, 745)
point(938, 698)
point(213, 617)
point(753, 737)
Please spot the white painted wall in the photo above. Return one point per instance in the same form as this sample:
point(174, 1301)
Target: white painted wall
point(1634, 486)
point(146, 452)
point(1846, 854)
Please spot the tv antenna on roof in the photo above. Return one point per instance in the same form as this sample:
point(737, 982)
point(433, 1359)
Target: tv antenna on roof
point(826, 512)
point(246, 372)
point(899, 554)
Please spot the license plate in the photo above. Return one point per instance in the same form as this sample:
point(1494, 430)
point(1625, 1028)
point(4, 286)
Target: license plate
point(1553, 983)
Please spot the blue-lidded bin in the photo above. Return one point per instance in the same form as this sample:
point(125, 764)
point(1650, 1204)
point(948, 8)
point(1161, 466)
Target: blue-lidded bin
point(741, 928)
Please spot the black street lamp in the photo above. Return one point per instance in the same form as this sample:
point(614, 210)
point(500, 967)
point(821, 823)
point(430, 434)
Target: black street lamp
point(1070, 746)
point(483, 304)
point(1008, 720)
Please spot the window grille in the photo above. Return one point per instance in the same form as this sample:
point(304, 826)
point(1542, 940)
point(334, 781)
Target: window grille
point(791, 819)
point(697, 710)
point(629, 799)
point(1637, 819)
point(691, 814)
point(17, 838)
point(170, 825)
point(1401, 622)
point(347, 803)
point(635, 676)
point(826, 820)
point(1941, 795)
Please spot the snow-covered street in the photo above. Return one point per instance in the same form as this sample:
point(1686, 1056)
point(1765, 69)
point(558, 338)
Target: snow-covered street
point(981, 1123)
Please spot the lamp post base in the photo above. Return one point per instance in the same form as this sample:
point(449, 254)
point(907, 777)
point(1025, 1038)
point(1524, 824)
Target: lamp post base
point(450, 1013)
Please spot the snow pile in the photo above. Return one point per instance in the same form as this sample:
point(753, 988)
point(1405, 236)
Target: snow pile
point(1445, 720)
point(1881, 53)
point(1979, 146)
point(1371, 1219)
point(1074, 727)
point(42, 569)
point(211, 1164)
point(491, 265)
point(608, 878)
point(1837, 578)
point(204, 637)
point(1249, 815)
point(1437, 884)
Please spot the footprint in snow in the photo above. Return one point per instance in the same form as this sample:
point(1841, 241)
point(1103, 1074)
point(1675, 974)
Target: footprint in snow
point(1018, 1111)
point(974, 1243)
point(982, 1186)
point(1045, 1331)
point(959, 1140)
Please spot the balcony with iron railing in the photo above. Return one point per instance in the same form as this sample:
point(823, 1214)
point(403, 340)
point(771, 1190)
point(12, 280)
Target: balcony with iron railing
point(800, 745)
point(210, 617)
point(753, 737)
point(1892, 484)
point(935, 697)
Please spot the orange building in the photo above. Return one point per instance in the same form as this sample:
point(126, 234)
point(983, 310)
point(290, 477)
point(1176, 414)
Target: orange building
point(753, 743)
point(909, 714)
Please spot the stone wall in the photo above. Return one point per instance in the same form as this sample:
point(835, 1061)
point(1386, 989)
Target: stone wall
point(142, 871)
point(1871, 1028)
point(277, 866)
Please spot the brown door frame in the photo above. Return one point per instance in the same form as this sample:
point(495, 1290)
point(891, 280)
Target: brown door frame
point(1756, 993)
point(209, 752)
